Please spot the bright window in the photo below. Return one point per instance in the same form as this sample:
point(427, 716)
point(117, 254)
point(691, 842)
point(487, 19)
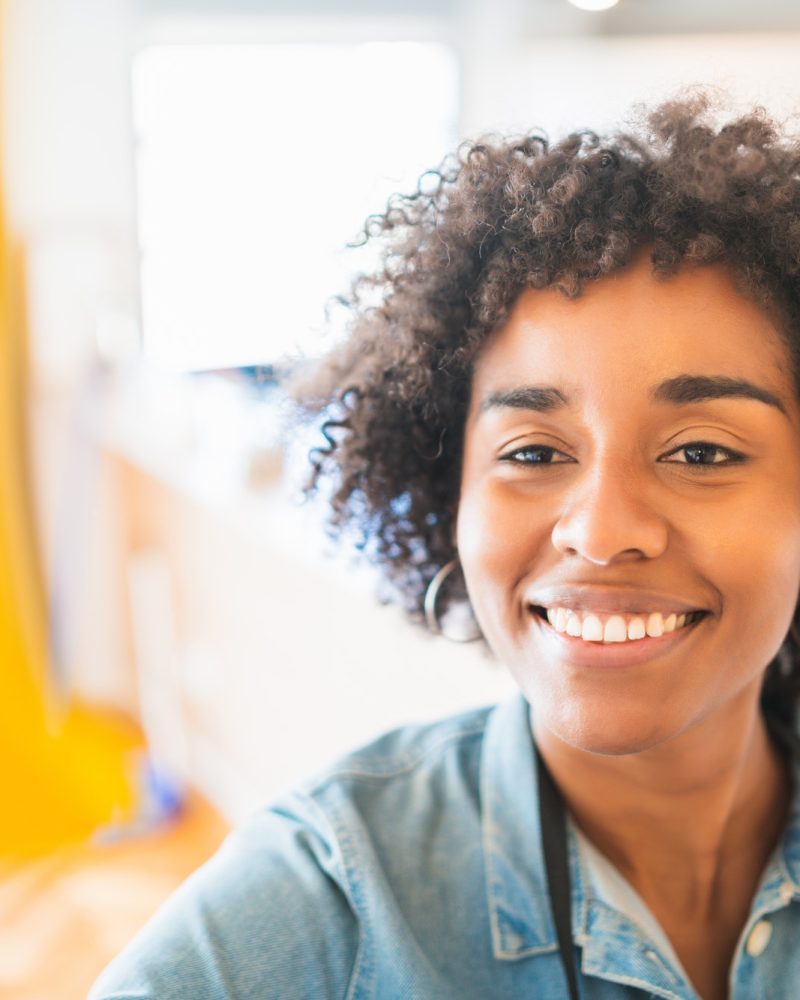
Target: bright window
point(256, 165)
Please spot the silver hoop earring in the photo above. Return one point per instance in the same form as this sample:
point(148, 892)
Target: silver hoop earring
point(429, 607)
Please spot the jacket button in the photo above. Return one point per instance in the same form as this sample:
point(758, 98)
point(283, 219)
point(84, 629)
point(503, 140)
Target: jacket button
point(758, 938)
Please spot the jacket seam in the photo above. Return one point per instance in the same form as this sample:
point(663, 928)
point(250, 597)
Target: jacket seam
point(336, 834)
point(404, 767)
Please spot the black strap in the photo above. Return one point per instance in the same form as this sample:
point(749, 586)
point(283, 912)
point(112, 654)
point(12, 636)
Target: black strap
point(553, 822)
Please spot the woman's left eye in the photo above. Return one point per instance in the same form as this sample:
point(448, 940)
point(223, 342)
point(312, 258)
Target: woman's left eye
point(703, 453)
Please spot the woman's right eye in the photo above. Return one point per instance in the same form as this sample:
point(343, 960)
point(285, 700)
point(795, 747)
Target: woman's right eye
point(536, 454)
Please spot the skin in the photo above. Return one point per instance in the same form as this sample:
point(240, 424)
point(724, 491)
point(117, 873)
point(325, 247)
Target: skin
point(665, 762)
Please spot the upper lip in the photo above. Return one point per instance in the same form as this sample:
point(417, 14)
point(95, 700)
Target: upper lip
point(610, 600)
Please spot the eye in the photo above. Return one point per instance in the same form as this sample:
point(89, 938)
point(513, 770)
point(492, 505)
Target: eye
point(703, 453)
point(536, 454)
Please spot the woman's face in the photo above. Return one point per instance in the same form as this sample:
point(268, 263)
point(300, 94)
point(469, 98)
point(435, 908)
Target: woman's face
point(632, 457)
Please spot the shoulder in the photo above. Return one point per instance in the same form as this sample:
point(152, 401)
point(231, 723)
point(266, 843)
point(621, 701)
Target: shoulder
point(246, 923)
point(283, 901)
point(403, 751)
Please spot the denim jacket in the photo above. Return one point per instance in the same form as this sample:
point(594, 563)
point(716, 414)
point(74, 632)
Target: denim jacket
point(413, 869)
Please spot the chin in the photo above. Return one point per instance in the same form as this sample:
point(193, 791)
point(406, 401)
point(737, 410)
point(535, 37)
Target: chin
point(609, 733)
point(609, 744)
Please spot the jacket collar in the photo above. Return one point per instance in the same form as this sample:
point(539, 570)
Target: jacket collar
point(516, 880)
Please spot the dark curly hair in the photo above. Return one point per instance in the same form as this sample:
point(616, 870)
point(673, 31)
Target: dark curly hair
point(502, 215)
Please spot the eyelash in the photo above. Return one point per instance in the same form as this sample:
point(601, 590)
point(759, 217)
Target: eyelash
point(511, 456)
point(732, 457)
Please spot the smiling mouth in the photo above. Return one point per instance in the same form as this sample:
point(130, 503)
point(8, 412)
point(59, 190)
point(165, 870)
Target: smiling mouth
point(604, 628)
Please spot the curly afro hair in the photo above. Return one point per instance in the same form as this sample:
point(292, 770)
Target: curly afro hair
point(502, 215)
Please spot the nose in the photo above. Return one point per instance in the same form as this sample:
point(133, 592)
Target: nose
point(610, 516)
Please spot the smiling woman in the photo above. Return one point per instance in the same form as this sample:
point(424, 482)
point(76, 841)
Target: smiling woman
point(577, 399)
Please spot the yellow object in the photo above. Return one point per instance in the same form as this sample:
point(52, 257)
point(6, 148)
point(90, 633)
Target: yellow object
point(63, 769)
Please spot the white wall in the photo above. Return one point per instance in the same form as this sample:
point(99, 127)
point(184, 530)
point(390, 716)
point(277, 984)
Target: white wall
point(562, 84)
point(68, 168)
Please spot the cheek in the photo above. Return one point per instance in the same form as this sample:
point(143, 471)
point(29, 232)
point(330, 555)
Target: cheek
point(500, 541)
point(764, 585)
point(754, 565)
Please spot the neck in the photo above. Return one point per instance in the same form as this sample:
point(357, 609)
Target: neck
point(709, 804)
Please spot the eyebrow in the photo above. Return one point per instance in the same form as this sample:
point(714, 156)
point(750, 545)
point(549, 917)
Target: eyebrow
point(680, 391)
point(699, 388)
point(542, 398)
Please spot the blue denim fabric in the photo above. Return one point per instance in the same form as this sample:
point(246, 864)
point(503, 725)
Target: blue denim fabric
point(413, 869)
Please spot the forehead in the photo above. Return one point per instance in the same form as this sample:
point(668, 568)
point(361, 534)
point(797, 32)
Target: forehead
point(632, 330)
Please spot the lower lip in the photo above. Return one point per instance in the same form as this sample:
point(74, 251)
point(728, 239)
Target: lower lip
point(580, 653)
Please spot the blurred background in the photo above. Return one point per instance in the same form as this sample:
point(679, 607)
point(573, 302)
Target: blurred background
point(180, 180)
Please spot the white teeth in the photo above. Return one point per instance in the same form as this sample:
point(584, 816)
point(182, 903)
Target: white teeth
point(597, 627)
point(615, 630)
point(574, 626)
point(636, 629)
point(655, 625)
point(592, 630)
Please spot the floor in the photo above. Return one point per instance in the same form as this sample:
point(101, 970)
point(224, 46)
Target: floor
point(64, 916)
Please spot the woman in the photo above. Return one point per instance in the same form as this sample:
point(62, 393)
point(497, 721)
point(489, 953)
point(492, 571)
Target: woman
point(578, 398)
